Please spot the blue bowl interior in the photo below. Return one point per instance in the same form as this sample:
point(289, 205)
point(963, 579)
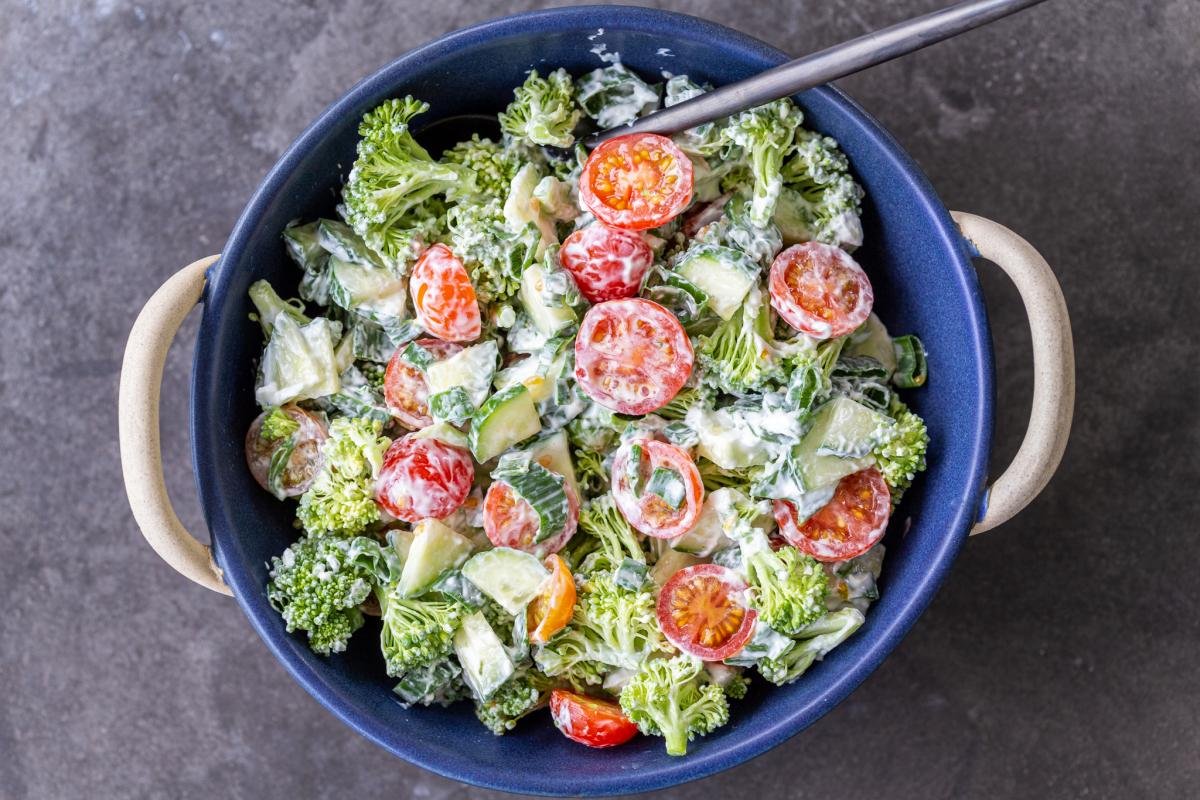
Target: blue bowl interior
point(923, 283)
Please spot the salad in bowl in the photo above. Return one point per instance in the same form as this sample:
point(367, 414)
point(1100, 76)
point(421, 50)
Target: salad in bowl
point(612, 432)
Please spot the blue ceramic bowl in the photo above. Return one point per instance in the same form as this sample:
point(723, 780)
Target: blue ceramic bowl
point(924, 283)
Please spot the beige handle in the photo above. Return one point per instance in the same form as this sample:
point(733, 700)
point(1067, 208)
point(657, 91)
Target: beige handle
point(1053, 368)
point(137, 418)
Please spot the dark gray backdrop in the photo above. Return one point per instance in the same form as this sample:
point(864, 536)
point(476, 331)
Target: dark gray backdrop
point(1059, 660)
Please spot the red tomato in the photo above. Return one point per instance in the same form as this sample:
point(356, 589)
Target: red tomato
point(444, 297)
point(404, 386)
point(703, 611)
point(636, 181)
point(302, 464)
point(590, 720)
point(820, 290)
point(423, 477)
point(607, 263)
point(632, 355)
point(509, 521)
point(645, 511)
point(849, 525)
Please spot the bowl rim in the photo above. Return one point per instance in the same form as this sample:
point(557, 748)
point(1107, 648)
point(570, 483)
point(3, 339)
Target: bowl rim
point(706, 761)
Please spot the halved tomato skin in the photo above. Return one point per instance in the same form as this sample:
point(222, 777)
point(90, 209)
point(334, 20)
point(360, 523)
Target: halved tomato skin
point(590, 721)
point(848, 525)
point(304, 461)
point(647, 512)
point(423, 477)
point(404, 387)
point(550, 611)
point(636, 181)
point(632, 356)
point(820, 290)
point(607, 263)
point(444, 297)
point(704, 611)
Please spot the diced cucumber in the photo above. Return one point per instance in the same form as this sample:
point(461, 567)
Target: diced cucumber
point(670, 562)
point(872, 339)
point(453, 405)
point(304, 246)
point(443, 432)
point(539, 372)
point(434, 549)
point(340, 240)
point(546, 318)
point(510, 577)
point(545, 491)
point(631, 574)
point(839, 442)
point(725, 438)
point(722, 273)
point(792, 216)
point(485, 662)
point(367, 287)
point(507, 417)
point(708, 535)
point(400, 541)
point(554, 453)
point(471, 368)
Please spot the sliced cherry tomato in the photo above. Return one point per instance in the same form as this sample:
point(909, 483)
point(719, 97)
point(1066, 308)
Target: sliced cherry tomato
point(404, 386)
point(423, 477)
point(509, 521)
point(632, 355)
point(305, 459)
point(551, 610)
point(703, 611)
point(444, 297)
point(607, 263)
point(636, 181)
point(644, 510)
point(820, 290)
point(590, 720)
point(848, 525)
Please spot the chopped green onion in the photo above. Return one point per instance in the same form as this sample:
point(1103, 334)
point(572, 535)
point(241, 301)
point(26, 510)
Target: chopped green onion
point(910, 362)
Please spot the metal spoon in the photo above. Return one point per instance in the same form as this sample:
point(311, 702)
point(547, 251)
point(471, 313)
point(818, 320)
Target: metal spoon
point(820, 67)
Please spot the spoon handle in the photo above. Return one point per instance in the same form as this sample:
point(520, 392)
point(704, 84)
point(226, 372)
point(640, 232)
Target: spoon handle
point(821, 67)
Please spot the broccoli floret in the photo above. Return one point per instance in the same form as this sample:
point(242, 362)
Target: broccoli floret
point(317, 584)
point(714, 477)
point(668, 698)
point(738, 354)
point(590, 471)
point(815, 160)
point(522, 693)
point(544, 110)
point(277, 425)
point(494, 164)
point(735, 230)
point(614, 96)
point(268, 305)
point(493, 255)
point(901, 457)
point(812, 644)
point(393, 177)
point(439, 682)
point(341, 498)
point(417, 633)
point(787, 587)
point(618, 541)
point(820, 200)
point(764, 134)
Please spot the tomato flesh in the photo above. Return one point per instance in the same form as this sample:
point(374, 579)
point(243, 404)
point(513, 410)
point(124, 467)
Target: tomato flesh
point(645, 511)
point(423, 477)
point(607, 263)
point(509, 521)
point(848, 525)
point(404, 387)
point(551, 610)
point(305, 459)
point(632, 355)
point(820, 290)
point(636, 181)
point(443, 296)
point(590, 720)
point(703, 611)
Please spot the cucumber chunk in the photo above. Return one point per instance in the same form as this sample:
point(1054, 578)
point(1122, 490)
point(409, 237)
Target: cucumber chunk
point(839, 443)
point(485, 662)
point(554, 453)
point(470, 368)
point(722, 273)
point(507, 417)
point(546, 318)
point(510, 577)
point(434, 549)
point(708, 534)
point(872, 339)
point(545, 491)
point(443, 432)
point(367, 287)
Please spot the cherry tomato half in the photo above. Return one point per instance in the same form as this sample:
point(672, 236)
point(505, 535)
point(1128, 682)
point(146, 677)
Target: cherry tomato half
point(646, 511)
point(848, 525)
point(632, 355)
point(509, 521)
point(423, 477)
point(703, 611)
point(551, 610)
point(607, 263)
point(404, 386)
point(303, 463)
point(820, 290)
point(443, 296)
point(590, 720)
point(636, 181)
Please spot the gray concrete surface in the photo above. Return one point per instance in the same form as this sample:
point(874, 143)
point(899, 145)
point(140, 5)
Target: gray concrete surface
point(1058, 661)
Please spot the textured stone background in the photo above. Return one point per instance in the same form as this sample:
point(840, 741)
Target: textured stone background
point(1059, 660)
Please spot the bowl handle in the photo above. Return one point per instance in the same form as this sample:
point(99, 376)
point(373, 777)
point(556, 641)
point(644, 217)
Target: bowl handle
point(137, 418)
point(1053, 369)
